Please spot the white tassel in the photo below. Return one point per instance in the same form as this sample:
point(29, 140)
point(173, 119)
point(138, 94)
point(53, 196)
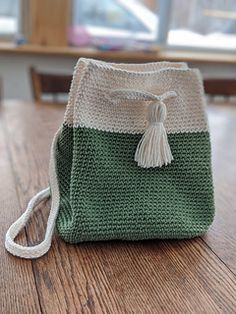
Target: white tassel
point(153, 149)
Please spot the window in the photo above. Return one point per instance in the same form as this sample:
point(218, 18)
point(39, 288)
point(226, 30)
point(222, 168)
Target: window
point(9, 13)
point(203, 24)
point(113, 23)
point(195, 24)
point(122, 24)
point(108, 14)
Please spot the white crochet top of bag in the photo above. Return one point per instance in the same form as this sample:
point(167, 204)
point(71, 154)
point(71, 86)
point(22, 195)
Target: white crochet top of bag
point(91, 105)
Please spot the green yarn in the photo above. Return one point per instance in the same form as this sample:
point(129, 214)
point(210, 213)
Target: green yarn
point(105, 195)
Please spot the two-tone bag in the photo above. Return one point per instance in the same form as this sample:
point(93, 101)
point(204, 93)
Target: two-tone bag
point(132, 159)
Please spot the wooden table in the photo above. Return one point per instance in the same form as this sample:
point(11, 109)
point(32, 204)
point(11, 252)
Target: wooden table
point(194, 276)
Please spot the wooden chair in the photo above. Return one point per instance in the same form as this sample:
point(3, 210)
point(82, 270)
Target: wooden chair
point(49, 84)
point(223, 87)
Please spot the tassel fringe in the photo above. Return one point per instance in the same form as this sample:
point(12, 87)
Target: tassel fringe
point(153, 149)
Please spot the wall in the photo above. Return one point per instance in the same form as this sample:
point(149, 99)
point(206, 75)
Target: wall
point(14, 70)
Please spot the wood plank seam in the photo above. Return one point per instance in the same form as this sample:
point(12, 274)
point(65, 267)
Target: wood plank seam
point(208, 246)
point(5, 132)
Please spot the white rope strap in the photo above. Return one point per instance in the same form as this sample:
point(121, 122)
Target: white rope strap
point(41, 248)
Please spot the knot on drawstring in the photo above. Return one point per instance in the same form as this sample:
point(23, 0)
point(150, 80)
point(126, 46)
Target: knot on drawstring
point(153, 150)
point(156, 112)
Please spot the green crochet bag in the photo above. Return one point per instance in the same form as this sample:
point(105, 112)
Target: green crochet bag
point(131, 160)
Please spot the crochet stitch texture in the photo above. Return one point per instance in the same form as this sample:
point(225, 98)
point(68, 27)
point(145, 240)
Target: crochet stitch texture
point(104, 194)
point(109, 197)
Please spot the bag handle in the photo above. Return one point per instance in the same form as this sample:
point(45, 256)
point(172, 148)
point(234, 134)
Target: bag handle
point(53, 191)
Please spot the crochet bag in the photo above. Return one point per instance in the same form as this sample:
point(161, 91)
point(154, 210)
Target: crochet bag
point(131, 160)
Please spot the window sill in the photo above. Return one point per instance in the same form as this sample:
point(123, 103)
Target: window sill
point(133, 56)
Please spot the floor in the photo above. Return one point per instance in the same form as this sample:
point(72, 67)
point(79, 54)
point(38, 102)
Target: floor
point(194, 276)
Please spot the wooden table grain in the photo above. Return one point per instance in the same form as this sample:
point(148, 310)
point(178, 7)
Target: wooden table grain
point(190, 276)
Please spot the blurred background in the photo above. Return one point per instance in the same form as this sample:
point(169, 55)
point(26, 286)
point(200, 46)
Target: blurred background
point(47, 37)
